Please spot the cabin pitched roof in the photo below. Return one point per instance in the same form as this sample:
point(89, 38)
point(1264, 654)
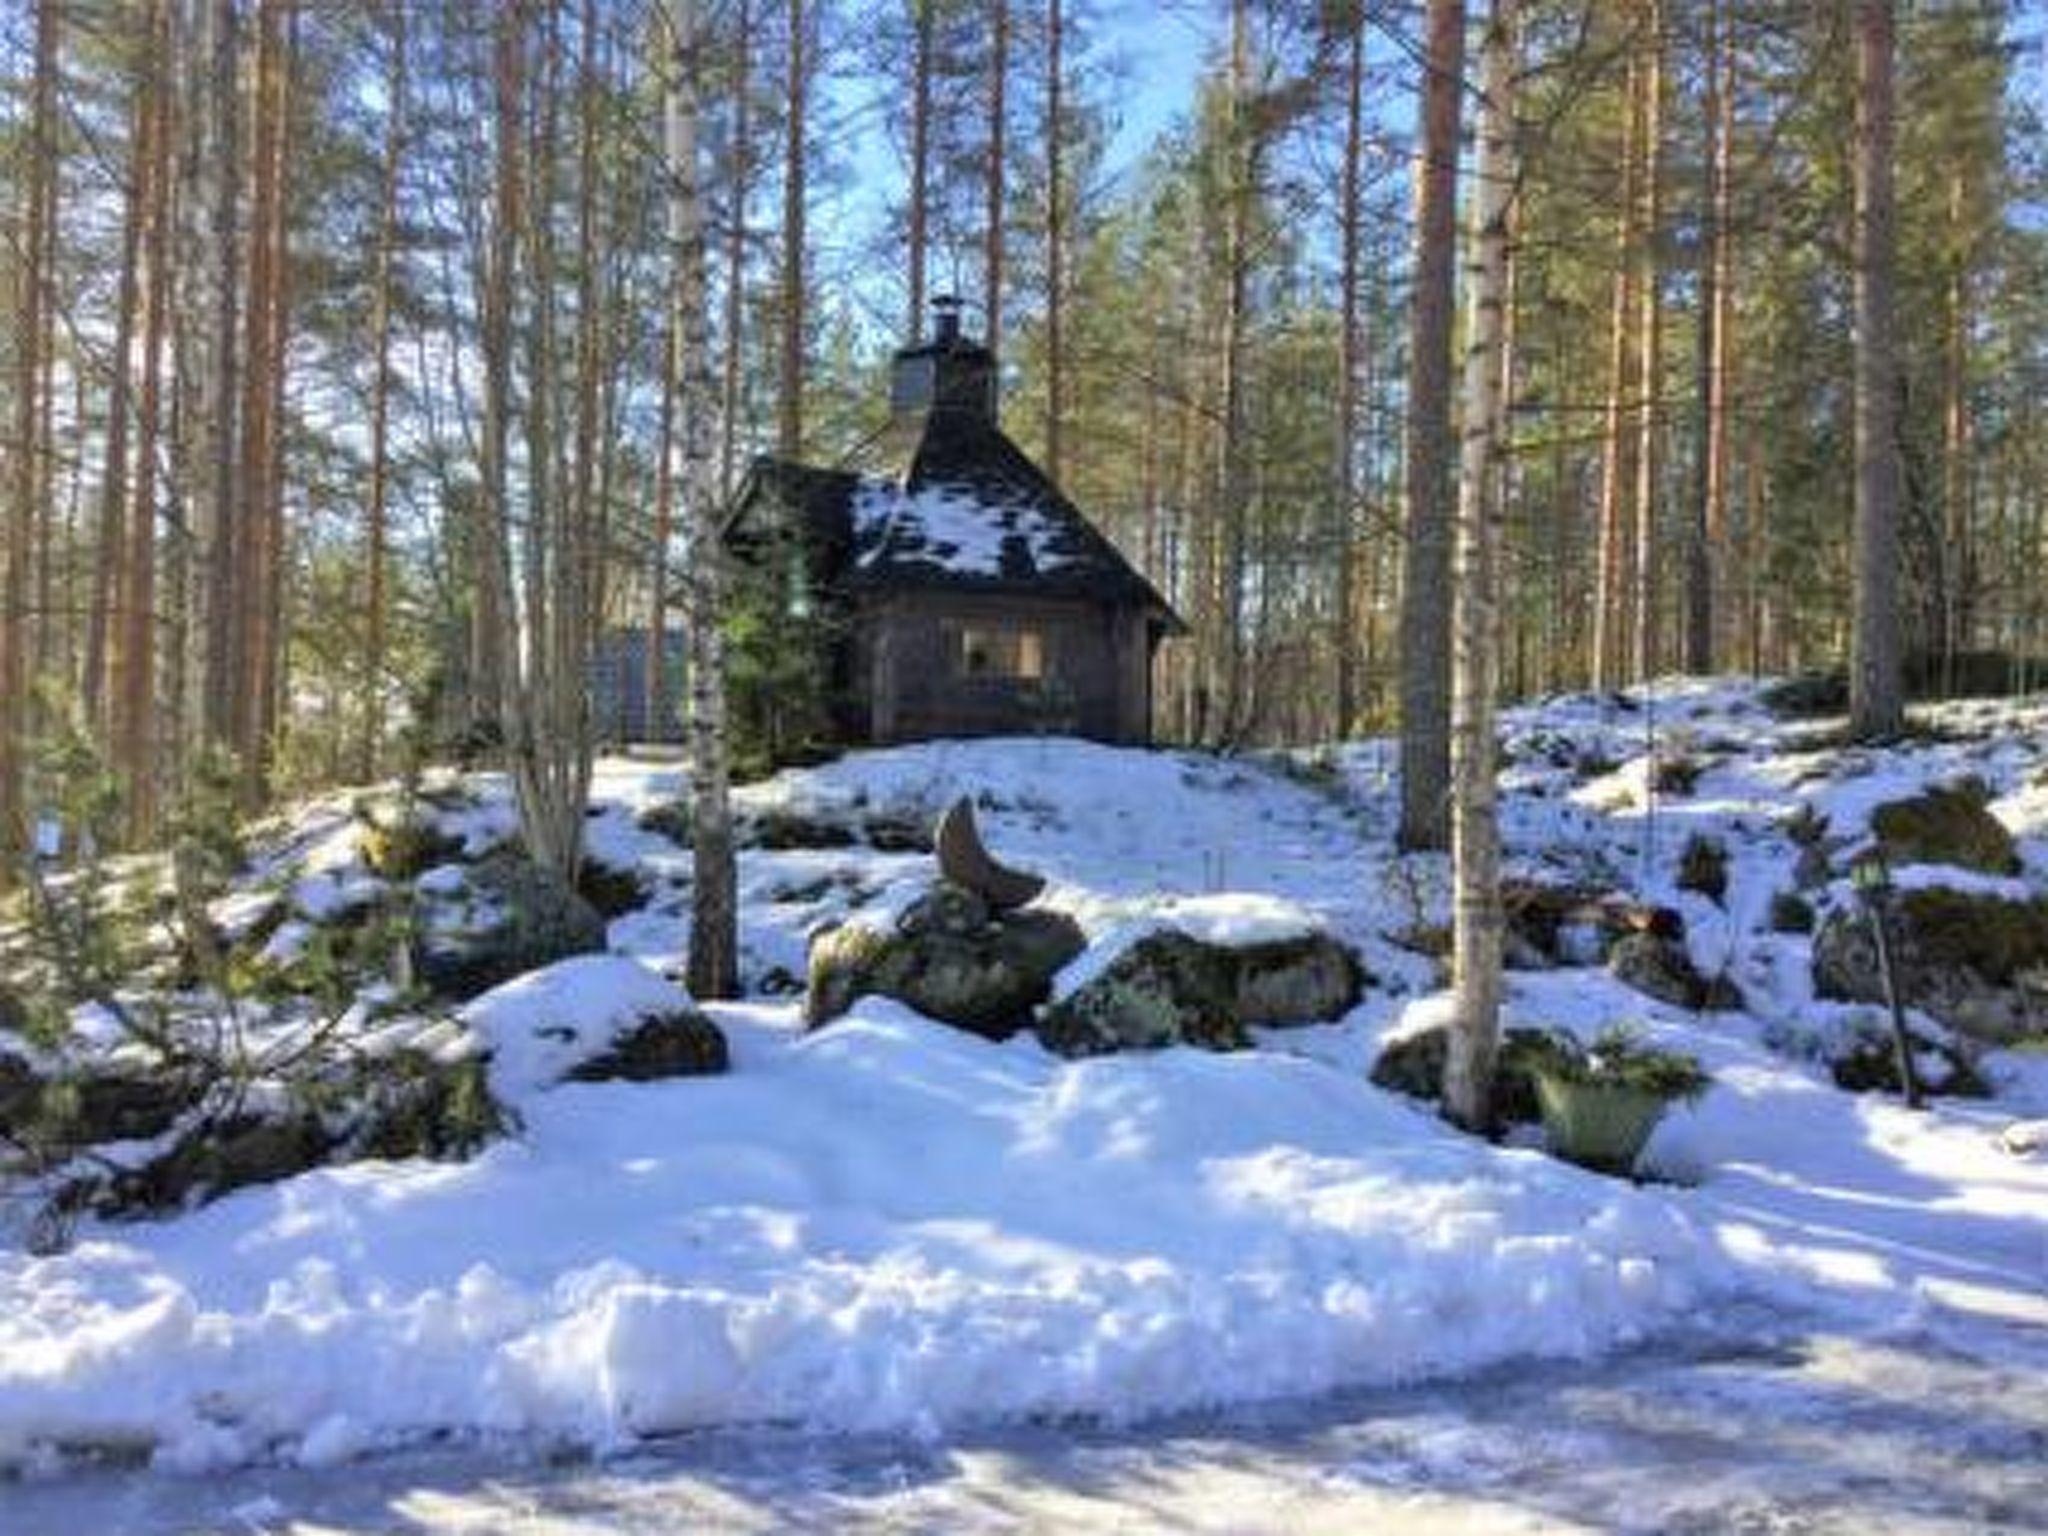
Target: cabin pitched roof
point(966, 510)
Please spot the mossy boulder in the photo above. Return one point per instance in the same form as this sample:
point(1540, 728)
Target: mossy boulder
point(782, 830)
point(611, 891)
point(1703, 867)
point(1660, 967)
point(948, 957)
point(1550, 925)
point(1946, 824)
point(401, 1104)
point(1171, 988)
point(1975, 961)
point(669, 819)
point(515, 917)
point(1414, 1065)
point(1865, 1060)
point(683, 1043)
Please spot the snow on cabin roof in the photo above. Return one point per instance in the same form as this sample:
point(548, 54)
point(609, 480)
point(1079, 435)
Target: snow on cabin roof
point(967, 509)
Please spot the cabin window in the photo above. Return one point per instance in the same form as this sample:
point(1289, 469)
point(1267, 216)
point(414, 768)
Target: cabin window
point(1002, 651)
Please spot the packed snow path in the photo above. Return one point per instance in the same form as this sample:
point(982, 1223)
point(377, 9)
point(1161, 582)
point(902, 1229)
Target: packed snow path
point(1752, 1424)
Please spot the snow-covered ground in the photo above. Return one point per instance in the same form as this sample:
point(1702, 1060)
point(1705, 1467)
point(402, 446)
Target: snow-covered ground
point(892, 1227)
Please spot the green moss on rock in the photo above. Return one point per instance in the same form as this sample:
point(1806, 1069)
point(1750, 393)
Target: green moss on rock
point(1948, 824)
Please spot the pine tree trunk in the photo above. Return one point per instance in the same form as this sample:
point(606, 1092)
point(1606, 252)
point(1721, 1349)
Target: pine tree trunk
point(1055, 242)
point(1426, 564)
point(1349, 346)
point(1478, 921)
point(1650, 367)
point(1957, 531)
point(376, 532)
point(1701, 584)
point(789, 435)
point(1877, 705)
point(136, 744)
point(741, 182)
point(920, 161)
point(1232, 713)
point(998, 140)
point(714, 906)
point(1726, 542)
point(1610, 607)
point(222, 534)
point(110, 547)
point(31, 338)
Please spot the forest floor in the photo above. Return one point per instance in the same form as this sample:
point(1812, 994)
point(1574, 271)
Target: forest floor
point(963, 1284)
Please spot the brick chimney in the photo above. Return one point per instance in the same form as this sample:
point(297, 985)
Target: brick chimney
point(948, 375)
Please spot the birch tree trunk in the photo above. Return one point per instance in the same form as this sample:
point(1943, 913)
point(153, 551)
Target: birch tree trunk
point(1877, 706)
point(1426, 561)
point(1478, 921)
point(714, 916)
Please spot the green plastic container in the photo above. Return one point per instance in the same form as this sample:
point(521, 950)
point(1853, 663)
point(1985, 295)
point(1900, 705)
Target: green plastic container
point(1597, 1125)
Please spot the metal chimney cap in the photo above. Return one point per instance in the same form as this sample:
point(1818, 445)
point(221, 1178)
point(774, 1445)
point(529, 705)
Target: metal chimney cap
point(945, 317)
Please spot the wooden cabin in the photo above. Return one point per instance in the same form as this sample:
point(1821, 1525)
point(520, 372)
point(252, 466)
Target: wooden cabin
point(962, 592)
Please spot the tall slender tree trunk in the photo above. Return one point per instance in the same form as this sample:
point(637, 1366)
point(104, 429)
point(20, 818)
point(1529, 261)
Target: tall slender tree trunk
point(1958, 528)
point(740, 178)
point(252, 634)
point(1702, 586)
point(1055, 241)
point(1478, 921)
point(219, 175)
point(714, 914)
point(1877, 705)
point(658, 571)
point(1610, 607)
point(789, 435)
point(1232, 714)
point(31, 338)
point(1650, 368)
point(992, 186)
point(376, 533)
point(110, 548)
point(1726, 541)
point(134, 737)
point(1425, 747)
point(490, 546)
point(919, 233)
point(1349, 346)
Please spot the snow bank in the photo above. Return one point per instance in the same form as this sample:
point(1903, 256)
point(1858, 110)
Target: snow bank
point(885, 1225)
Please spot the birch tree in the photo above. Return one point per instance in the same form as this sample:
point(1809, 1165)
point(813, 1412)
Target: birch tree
point(1478, 922)
point(714, 918)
